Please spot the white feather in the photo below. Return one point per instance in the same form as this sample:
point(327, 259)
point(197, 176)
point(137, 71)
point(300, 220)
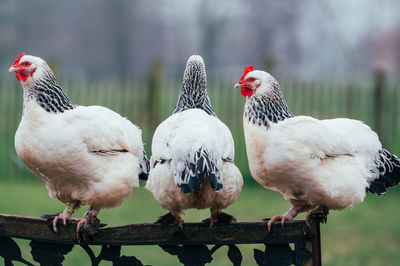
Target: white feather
point(326, 162)
point(178, 136)
point(57, 147)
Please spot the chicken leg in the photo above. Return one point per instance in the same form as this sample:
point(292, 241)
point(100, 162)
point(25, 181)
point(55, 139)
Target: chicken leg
point(89, 225)
point(320, 211)
point(64, 216)
point(289, 216)
point(217, 216)
point(171, 218)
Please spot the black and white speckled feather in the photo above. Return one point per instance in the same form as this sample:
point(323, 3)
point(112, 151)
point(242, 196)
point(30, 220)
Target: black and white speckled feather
point(389, 173)
point(200, 165)
point(144, 167)
point(263, 109)
point(49, 95)
point(194, 85)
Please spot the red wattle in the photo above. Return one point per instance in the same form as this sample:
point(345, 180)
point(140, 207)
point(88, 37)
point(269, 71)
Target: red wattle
point(246, 92)
point(23, 76)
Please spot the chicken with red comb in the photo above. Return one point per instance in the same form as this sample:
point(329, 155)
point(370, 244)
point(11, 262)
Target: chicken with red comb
point(85, 155)
point(317, 165)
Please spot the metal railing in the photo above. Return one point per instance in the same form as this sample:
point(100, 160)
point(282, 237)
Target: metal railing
point(293, 244)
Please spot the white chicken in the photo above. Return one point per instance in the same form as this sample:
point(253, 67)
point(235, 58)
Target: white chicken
point(85, 155)
point(192, 155)
point(315, 164)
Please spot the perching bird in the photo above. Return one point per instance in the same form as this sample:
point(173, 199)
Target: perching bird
point(192, 162)
point(85, 155)
point(315, 164)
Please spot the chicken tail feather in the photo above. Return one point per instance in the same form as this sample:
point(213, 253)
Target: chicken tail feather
point(389, 173)
point(201, 165)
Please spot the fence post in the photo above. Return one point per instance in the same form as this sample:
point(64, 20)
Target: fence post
point(379, 87)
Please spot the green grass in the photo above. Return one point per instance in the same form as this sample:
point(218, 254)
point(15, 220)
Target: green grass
point(367, 235)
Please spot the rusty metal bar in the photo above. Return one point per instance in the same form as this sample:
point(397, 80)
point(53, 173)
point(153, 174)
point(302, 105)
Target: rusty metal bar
point(316, 241)
point(173, 239)
point(150, 233)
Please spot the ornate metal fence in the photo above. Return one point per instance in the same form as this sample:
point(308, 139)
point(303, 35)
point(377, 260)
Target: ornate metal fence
point(294, 244)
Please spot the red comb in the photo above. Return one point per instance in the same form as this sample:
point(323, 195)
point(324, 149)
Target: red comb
point(19, 58)
point(247, 69)
point(196, 54)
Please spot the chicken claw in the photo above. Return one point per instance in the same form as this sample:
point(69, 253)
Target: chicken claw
point(64, 216)
point(289, 216)
point(88, 226)
point(321, 212)
point(220, 217)
point(169, 218)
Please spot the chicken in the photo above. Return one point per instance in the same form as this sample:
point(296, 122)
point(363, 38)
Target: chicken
point(85, 155)
point(192, 162)
point(315, 164)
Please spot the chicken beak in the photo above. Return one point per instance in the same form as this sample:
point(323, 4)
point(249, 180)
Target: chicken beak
point(237, 85)
point(13, 69)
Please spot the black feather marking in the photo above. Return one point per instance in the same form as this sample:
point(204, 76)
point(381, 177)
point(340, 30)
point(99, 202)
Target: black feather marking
point(377, 187)
point(214, 181)
point(161, 161)
point(389, 179)
point(267, 108)
point(333, 156)
point(388, 166)
point(49, 95)
point(227, 160)
point(201, 165)
point(108, 152)
point(144, 167)
point(194, 88)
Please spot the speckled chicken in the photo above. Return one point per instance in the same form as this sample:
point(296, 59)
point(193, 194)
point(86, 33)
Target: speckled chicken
point(192, 162)
point(315, 164)
point(85, 155)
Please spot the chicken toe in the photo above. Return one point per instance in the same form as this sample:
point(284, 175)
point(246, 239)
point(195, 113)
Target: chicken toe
point(170, 218)
point(88, 226)
point(289, 216)
point(220, 217)
point(62, 216)
point(321, 212)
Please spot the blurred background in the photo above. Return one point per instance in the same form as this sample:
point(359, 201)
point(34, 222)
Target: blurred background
point(332, 59)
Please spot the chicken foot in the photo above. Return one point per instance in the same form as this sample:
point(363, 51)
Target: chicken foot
point(217, 216)
point(289, 216)
point(89, 225)
point(320, 211)
point(171, 218)
point(64, 216)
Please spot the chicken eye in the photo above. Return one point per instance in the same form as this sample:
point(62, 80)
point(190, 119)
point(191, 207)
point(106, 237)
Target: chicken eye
point(252, 79)
point(26, 63)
